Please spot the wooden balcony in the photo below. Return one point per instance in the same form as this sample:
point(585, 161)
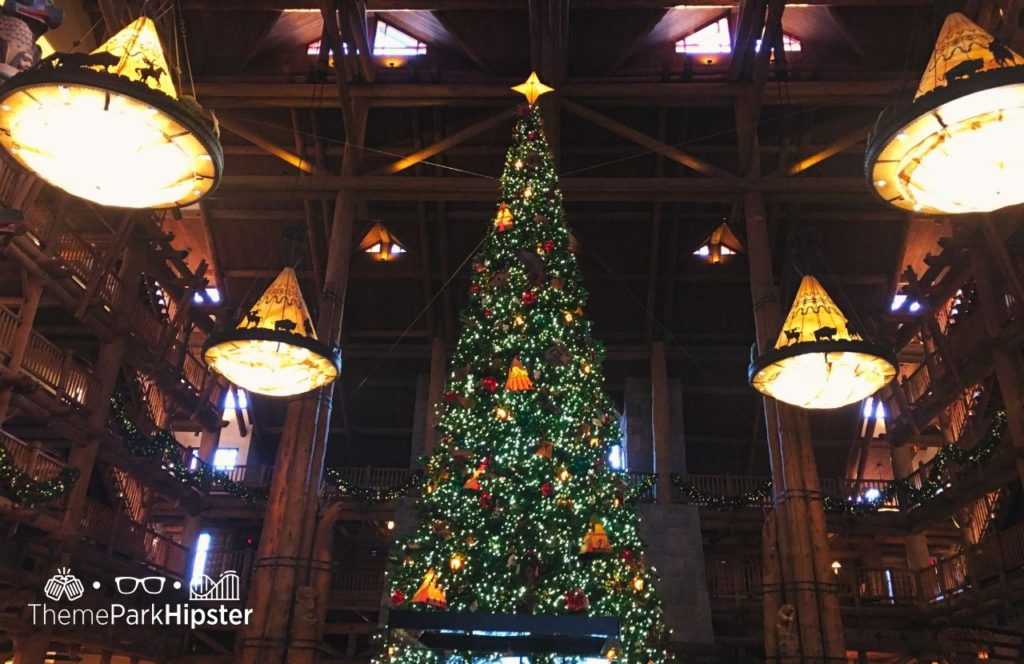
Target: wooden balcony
point(35, 462)
point(123, 538)
point(57, 371)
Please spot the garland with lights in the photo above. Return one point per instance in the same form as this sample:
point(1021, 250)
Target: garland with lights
point(163, 447)
point(900, 489)
point(22, 489)
point(373, 495)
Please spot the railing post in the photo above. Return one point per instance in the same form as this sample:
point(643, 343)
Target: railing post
point(33, 460)
point(33, 293)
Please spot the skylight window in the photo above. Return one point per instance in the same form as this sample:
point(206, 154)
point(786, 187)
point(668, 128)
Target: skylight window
point(225, 458)
point(212, 295)
point(712, 38)
point(902, 302)
point(230, 402)
point(199, 559)
point(389, 41)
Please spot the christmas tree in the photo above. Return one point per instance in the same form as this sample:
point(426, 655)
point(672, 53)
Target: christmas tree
point(520, 511)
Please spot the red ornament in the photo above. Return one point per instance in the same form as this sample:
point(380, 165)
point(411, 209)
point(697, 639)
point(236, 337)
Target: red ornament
point(547, 489)
point(485, 500)
point(474, 288)
point(549, 246)
point(627, 555)
point(489, 384)
point(487, 313)
point(529, 297)
point(451, 397)
point(576, 600)
point(397, 598)
point(531, 135)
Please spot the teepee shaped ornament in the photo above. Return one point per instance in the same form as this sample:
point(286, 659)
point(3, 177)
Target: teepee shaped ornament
point(817, 362)
point(595, 542)
point(109, 126)
point(955, 149)
point(430, 593)
point(274, 349)
point(518, 378)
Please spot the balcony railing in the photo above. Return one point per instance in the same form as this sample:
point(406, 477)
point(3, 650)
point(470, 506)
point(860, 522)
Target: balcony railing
point(256, 476)
point(123, 537)
point(356, 589)
point(985, 565)
point(34, 461)
point(58, 372)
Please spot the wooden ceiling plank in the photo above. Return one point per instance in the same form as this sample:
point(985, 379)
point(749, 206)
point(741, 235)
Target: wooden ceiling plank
point(474, 129)
point(630, 134)
point(467, 49)
point(639, 40)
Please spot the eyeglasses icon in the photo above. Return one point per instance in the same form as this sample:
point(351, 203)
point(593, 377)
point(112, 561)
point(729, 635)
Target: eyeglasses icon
point(152, 585)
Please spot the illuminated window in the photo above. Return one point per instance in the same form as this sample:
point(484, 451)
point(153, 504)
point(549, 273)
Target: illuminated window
point(712, 38)
point(229, 400)
point(901, 301)
point(389, 40)
point(617, 457)
point(212, 296)
point(225, 458)
point(789, 44)
point(392, 41)
point(199, 559)
point(873, 409)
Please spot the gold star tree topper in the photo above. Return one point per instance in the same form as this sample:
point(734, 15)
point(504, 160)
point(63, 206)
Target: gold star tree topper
point(532, 88)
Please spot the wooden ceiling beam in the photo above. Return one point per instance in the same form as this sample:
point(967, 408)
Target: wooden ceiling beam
point(841, 144)
point(238, 128)
point(467, 49)
point(474, 129)
point(630, 134)
point(512, 5)
point(235, 93)
point(414, 188)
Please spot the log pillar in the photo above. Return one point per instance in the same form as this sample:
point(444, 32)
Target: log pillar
point(434, 389)
point(283, 597)
point(33, 293)
point(108, 365)
point(661, 422)
point(1009, 364)
point(208, 443)
point(801, 610)
point(31, 648)
point(916, 544)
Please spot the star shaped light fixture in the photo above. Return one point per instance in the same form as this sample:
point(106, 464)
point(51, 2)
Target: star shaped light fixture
point(956, 148)
point(109, 126)
point(532, 88)
point(817, 362)
point(274, 350)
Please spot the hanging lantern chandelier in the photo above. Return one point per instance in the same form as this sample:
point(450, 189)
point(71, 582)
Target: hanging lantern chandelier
point(956, 148)
point(380, 244)
point(109, 127)
point(817, 362)
point(274, 350)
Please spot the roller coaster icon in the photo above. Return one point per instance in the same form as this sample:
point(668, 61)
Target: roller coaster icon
point(224, 589)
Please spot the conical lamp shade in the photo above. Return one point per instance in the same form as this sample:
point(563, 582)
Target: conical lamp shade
point(817, 361)
point(108, 126)
point(274, 350)
point(955, 149)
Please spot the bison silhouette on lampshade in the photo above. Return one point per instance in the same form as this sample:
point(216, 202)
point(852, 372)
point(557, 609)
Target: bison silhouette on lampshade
point(274, 350)
point(817, 361)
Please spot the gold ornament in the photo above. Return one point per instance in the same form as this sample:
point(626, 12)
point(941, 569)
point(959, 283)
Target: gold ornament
point(430, 593)
point(532, 88)
point(503, 220)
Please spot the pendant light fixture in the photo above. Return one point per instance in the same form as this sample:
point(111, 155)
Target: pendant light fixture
point(274, 350)
point(817, 362)
point(109, 127)
point(956, 148)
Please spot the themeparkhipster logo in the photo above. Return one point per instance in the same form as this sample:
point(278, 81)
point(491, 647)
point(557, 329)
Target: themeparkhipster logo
point(66, 587)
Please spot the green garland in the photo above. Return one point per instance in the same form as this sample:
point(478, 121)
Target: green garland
point(371, 494)
point(900, 489)
point(22, 489)
point(163, 447)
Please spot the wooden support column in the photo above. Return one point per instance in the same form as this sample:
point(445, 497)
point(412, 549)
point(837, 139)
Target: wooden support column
point(916, 544)
point(209, 440)
point(435, 387)
point(108, 365)
point(661, 422)
point(799, 586)
point(31, 648)
point(284, 596)
point(33, 293)
point(1009, 363)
